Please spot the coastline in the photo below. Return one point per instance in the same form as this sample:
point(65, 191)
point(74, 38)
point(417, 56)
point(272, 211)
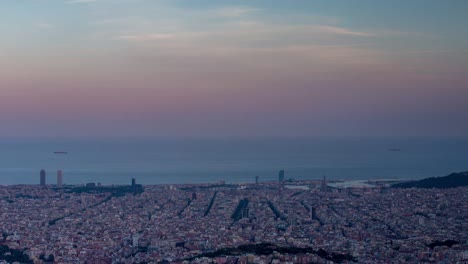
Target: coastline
point(300, 184)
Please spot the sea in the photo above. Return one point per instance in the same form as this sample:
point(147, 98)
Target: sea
point(181, 161)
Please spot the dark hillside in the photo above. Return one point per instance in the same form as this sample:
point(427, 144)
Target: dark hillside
point(453, 180)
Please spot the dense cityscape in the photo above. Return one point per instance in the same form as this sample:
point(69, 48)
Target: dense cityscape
point(261, 222)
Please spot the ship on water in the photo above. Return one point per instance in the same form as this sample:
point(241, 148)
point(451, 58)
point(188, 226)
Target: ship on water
point(60, 152)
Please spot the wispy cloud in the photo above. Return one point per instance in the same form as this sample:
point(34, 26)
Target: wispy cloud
point(250, 31)
point(80, 1)
point(146, 37)
point(235, 11)
point(342, 31)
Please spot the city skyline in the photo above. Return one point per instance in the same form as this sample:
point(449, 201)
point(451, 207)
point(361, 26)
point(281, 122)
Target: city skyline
point(138, 68)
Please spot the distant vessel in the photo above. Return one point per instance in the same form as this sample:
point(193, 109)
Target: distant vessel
point(60, 152)
point(394, 149)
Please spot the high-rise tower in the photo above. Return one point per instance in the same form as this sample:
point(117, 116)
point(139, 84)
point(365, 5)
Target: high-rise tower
point(324, 184)
point(281, 176)
point(43, 177)
point(59, 178)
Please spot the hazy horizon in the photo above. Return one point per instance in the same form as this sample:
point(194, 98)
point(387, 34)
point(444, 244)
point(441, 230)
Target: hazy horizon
point(52, 138)
point(116, 161)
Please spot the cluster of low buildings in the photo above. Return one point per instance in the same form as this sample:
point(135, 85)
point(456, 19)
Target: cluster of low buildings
point(181, 223)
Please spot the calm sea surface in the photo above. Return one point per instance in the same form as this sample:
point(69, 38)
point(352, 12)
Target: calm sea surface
point(196, 161)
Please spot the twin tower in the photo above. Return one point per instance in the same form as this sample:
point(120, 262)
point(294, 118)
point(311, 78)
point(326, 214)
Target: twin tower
point(59, 178)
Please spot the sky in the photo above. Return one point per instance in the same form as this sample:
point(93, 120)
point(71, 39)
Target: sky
point(218, 68)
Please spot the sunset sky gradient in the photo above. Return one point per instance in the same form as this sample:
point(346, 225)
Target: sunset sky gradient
point(217, 68)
